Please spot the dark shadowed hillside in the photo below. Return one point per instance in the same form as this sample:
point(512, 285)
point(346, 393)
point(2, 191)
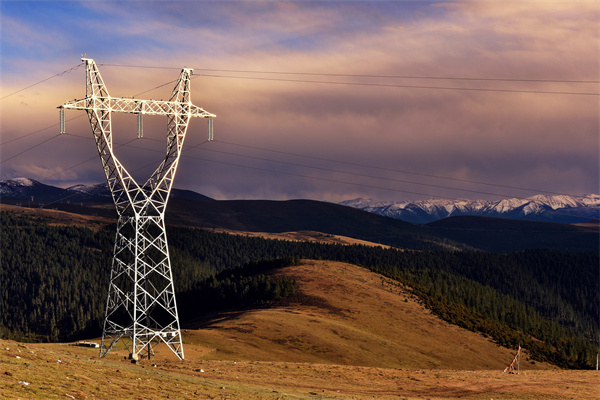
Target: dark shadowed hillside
point(491, 234)
point(301, 215)
point(496, 234)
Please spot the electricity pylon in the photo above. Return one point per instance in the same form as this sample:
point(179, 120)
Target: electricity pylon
point(140, 309)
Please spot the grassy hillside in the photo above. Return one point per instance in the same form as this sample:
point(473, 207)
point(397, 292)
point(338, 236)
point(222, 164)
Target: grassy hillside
point(489, 234)
point(302, 215)
point(495, 234)
point(547, 300)
point(344, 314)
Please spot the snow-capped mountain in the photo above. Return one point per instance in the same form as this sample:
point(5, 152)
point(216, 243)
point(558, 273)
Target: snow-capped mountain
point(98, 191)
point(557, 208)
point(25, 189)
point(29, 189)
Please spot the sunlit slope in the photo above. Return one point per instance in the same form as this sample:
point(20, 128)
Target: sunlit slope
point(345, 314)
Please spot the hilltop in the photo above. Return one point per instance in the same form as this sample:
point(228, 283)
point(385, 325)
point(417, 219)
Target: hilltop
point(345, 314)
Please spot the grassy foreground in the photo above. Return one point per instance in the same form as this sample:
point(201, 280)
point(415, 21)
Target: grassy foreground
point(346, 334)
point(52, 371)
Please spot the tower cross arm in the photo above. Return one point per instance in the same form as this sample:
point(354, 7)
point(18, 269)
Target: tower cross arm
point(135, 106)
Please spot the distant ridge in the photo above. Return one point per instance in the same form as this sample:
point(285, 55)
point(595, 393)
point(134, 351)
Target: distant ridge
point(23, 189)
point(192, 209)
point(557, 208)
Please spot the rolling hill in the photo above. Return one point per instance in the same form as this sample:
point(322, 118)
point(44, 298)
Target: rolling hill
point(188, 208)
point(344, 314)
point(502, 235)
point(346, 334)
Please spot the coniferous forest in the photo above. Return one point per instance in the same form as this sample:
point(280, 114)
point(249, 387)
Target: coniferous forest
point(55, 279)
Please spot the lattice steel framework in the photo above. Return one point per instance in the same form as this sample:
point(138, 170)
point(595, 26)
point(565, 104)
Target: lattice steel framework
point(140, 309)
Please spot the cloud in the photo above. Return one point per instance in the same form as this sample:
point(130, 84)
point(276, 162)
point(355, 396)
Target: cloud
point(545, 141)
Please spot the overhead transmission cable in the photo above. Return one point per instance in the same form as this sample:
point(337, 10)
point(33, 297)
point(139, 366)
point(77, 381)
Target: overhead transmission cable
point(29, 148)
point(329, 82)
point(401, 86)
point(364, 75)
point(251, 167)
point(389, 169)
point(127, 144)
point(66, 71)
point(360, 184)
point(345, 75)
point(38, 131)
point(359, 174)
point(504, 80)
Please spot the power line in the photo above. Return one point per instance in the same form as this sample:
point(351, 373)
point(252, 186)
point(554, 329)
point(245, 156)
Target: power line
point(329, 82)
point(360, 175)
point(363, 185)
point(30, 148)
point(127, 144)
point(391, 169)
point(27, 135)
point(329, 160)
point(38, 131)
point(401, 86)
point(255, 168)
point(66, 71)
point(363, 75)
point(322, 179)
point(384, 77)
point(320, 169)
point(342, 172)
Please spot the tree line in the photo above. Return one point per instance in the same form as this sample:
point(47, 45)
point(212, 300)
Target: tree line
point(55, 280)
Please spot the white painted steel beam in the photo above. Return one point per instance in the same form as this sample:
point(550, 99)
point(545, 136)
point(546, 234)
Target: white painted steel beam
point(141, 309)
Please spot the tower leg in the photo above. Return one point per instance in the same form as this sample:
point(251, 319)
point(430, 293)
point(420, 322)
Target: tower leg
point(141, 305)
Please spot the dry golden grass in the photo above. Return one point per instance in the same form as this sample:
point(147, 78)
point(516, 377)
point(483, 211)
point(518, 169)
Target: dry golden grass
point(344, 314)
point(347, 334)
point(56, 217)
point(38, 374)
point(61, 218)
point(305, 236)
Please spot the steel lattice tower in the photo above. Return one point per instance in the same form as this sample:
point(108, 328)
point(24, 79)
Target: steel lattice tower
point(140, 309)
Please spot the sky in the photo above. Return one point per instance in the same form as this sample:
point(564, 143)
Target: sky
point(389, 100)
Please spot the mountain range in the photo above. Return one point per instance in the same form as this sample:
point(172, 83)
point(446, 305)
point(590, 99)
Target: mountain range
point(547, 208)
point(555, 208)
point(26, 190)
point(189, 208)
